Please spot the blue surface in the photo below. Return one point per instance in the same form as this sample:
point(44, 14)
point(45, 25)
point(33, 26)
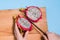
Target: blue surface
point(52, 10)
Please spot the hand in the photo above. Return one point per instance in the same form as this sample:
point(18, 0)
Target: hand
point(52, 36)
point(18, 35)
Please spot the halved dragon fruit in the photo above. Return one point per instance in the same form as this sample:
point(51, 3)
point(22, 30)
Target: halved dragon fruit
point(24, 24)
point(33, 13)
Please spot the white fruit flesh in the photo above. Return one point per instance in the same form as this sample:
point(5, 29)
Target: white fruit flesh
point(24, 23)
point(33, 13)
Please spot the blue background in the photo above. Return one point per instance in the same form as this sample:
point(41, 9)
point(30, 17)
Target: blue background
point(52, 10)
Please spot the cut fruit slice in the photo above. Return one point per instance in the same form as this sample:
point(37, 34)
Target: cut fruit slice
point(33, 13)
point(24, 24)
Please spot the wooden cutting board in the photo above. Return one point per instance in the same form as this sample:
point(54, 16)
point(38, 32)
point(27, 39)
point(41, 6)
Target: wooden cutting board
point(6, 25)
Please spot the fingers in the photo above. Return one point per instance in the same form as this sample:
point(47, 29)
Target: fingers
point(17, 33)
point(45, 37)
point(52, 36)
point(16, 29)
point(26, 34)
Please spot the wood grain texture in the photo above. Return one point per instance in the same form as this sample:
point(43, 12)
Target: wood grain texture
point(6, 25)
